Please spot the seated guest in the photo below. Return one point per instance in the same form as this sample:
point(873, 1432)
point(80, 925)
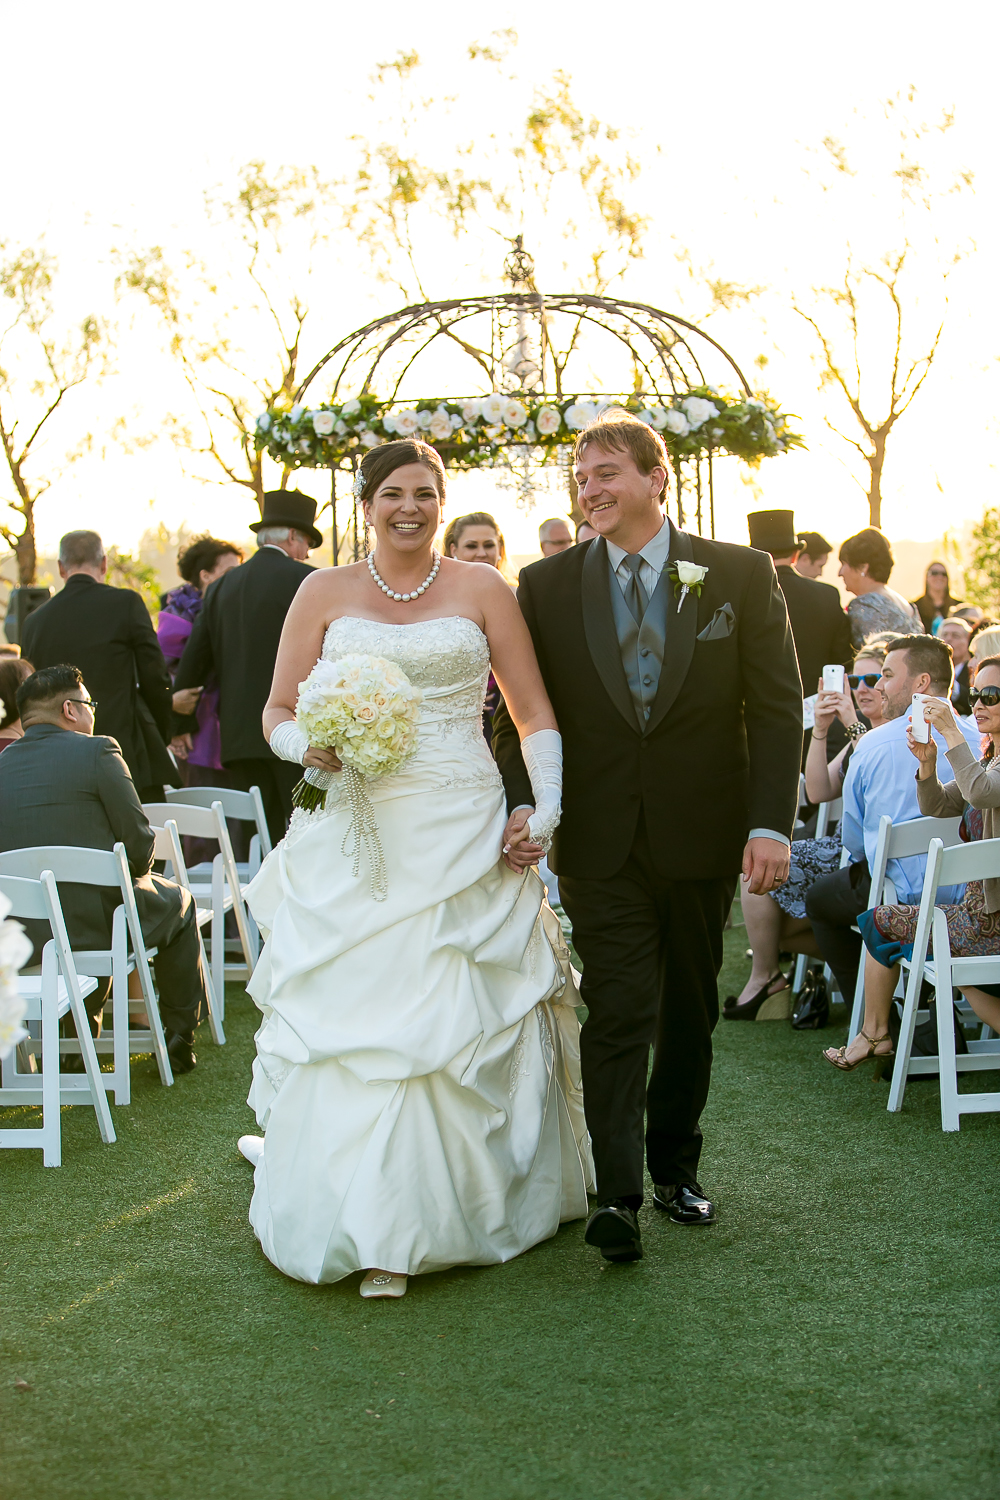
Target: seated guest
point(879, 782)
point(936, 603)
point(956, 634)
point(866, 566)
point(61, 784)
point(13, 671)
point(554, 536)
point(973, 922)
point(584, 532)
point(814, 554)
point(778, 920)
point(984, 640)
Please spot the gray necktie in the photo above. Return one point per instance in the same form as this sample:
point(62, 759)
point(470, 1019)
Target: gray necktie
point(635, 595)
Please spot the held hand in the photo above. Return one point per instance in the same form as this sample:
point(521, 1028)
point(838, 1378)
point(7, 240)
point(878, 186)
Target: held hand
point(519, 853)
point(825, 709)
point(940, 715)
point(765, 865)
point(186, 699)
point(926, 755)
point(180, 746)
point(322, 760)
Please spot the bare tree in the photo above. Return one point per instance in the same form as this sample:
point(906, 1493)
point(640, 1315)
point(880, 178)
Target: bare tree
point(40, 365)
point(236, 364)
point(886, 293)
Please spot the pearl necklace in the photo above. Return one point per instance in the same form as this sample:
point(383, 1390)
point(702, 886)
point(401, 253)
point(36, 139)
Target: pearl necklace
point(415, 594)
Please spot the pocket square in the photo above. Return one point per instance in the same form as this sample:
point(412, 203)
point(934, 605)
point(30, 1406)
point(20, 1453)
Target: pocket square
point(720, 625)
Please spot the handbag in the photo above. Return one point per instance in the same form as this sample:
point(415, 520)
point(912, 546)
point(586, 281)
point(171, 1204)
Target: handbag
point(812, 1003)
point(925, 1038)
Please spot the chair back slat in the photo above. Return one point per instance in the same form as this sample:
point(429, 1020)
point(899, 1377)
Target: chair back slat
point(196, 822)
point(234, 804)
point(978, 861)
point(67, 863)
point(914, 837)
point(27, 897)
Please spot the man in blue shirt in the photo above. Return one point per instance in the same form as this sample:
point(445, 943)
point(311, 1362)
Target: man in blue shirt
point(881, 779)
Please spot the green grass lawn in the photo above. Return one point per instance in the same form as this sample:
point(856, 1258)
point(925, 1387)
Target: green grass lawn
point(835, 1335)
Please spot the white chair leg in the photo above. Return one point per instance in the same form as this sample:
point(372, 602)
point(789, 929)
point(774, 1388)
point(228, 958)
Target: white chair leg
point(214, 1019)
point(858, 1010)
point(92, 1067)
point(904, 1046)
point(51, 1132)
point(947, 1069)
point(799, 978)
point(119, 996)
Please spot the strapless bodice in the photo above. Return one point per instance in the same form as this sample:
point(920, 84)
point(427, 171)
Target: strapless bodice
point(447, 659)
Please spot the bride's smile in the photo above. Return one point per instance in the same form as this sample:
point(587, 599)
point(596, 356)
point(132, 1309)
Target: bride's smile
point(405, 513)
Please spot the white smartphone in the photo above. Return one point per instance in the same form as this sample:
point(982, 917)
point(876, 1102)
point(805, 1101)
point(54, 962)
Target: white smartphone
point(919, 725)
point(833, 679)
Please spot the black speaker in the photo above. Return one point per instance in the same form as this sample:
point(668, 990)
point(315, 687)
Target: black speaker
point(22, 603)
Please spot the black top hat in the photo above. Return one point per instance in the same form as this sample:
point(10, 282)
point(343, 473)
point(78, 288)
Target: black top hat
point(290, 508)
point(773, 531)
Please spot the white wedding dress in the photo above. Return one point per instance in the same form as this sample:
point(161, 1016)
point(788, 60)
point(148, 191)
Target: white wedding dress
point(417, 1069)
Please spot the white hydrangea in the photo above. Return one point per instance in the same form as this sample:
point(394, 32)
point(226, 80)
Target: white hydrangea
point(295, 413)
point(646, 416)
point(263, 423)
point(676, 422)
point(698, 411)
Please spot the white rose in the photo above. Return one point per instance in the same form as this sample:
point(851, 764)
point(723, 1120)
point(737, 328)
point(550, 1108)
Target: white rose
point(658, 417)
point(350, 408)
point(580, 415)
point(424, 418)
point(455, 421)
point(699, 410)
point(440, 426)
point(323, 423)
point(340, 429)
point(405, 422)
point(471, 410)
point(514, 414)
point(295, 413)
point(690, 573)
point(548, 419)
point(676, 422)
point(492, 408)
point(389, 422)
point(645, 416)
point(369, 439)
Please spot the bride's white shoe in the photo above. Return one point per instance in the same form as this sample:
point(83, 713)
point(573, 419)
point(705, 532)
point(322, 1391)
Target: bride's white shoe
point(383, 1284)
point(252, 1147)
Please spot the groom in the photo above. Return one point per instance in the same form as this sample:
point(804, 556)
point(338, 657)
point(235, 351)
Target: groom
point(681, 716)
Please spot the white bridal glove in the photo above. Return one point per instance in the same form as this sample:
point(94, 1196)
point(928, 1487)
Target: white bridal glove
point(289, 743)
point(542, 752)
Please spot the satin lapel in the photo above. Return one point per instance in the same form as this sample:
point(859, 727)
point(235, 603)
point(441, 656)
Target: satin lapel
point(681, 633)
point(599, 628)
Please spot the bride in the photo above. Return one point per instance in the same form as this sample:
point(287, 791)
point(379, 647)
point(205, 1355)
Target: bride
point(416, 1077)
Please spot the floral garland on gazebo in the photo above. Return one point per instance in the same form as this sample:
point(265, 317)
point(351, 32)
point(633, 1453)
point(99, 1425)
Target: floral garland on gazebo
point(481, 431)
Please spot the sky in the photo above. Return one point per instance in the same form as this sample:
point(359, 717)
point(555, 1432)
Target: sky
point(118, 117)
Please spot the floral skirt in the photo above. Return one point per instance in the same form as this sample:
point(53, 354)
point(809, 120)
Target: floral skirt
point(973, 930)
point(810, 858)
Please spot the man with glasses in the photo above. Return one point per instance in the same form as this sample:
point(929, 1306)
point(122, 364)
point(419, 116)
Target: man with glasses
point(956, 634)
point(61, 784)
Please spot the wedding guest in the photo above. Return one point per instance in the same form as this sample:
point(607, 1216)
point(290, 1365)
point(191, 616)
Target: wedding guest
point(13, 671)
point(585, 532)
point(201, 563)
point(62, 784)
point(970, 612)
point(956, 634)
point(866, 566)
point(477, 538)
point(814, 554)
point(974, 921)
point(108, 634)
point(554, 536)
point(935, 603)
point(819, 625)
point(777, 921)
point(235, 636)
point(879, 781)
point(984, 641)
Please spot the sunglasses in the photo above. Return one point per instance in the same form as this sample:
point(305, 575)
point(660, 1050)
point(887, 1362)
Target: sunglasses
point(989, 697)
point(869, 679)
point(937, 573)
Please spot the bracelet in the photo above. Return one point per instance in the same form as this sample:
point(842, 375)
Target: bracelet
point(856, 730)
point(819, 739)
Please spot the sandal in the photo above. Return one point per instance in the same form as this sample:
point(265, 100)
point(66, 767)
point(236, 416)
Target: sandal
point(732, 1011)
point(839, 1058)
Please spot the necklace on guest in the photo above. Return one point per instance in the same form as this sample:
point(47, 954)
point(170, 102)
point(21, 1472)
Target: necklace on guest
point(414, 593)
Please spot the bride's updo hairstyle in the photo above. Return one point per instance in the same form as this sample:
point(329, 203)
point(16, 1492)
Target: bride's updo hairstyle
point(379, 463)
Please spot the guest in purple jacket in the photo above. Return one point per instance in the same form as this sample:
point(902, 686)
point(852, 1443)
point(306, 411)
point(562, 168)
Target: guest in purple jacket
point(200, 563)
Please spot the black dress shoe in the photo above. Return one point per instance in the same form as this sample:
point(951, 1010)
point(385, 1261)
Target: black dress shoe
point(180, 1050)
point(684, 1203)
point(614, 1229)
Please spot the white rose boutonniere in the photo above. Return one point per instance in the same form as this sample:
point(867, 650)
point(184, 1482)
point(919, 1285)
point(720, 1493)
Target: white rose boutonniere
point(688, 577)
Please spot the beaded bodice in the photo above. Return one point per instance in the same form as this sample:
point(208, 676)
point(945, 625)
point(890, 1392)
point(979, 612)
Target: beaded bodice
point(447, 658)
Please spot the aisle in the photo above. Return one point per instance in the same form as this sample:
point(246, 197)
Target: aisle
point(833, 1336)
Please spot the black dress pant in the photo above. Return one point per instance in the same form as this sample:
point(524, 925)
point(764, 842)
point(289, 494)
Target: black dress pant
point(651, 950)
point(277, 780)
point(833, 904)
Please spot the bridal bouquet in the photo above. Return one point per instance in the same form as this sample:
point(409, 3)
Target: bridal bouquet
point(15, 950)
point(366, 709)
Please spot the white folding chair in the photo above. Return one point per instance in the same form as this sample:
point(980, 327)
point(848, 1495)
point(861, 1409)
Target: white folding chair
point(128, 953)
point(246, 807)
point(828, 815)
point(896, 841)
point(220, 890)
point(167, 846)
point(57, 990)
point(947, 867)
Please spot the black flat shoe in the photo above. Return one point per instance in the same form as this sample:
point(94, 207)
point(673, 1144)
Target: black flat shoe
point(684, 1203)
point(180, 1050)
point(614, 1229)
point(732, 1011)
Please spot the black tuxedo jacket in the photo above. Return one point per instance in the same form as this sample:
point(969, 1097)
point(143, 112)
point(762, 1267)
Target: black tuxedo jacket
point(108, 634)
point(721, 749)
point(236, 635)
point(820, 628)
point(960, 690)
point(57, 787)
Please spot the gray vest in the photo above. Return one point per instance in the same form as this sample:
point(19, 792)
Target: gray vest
point(641, 645)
